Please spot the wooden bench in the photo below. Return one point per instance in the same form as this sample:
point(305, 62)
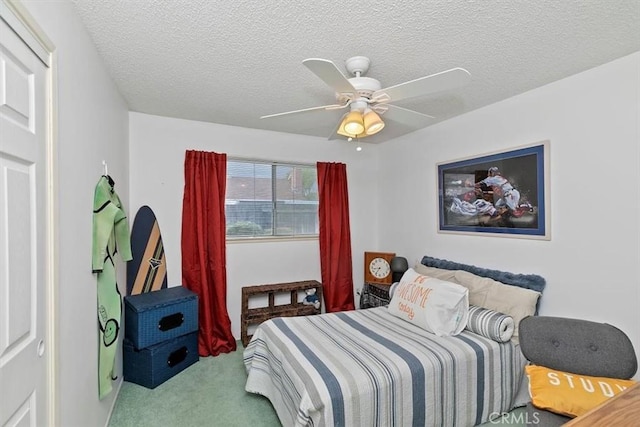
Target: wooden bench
point(257, 315)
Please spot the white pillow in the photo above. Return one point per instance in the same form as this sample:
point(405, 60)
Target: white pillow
point(484, 292)
point(392, 289)
point(435, 305)
point(438, 273)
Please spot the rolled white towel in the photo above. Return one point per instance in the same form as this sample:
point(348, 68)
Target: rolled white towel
point(490, 323)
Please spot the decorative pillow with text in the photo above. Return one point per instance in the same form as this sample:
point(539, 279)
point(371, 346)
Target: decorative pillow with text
point(570, 394)
point(435, 305)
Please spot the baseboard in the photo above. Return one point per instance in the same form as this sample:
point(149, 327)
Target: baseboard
point(115, 399)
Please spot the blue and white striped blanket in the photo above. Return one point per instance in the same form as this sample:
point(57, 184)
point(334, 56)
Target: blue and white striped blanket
point(369, 368)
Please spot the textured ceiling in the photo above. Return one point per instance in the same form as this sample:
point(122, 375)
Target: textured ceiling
point(231, 62)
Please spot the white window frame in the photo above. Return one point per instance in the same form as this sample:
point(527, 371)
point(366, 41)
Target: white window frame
point(274, 199)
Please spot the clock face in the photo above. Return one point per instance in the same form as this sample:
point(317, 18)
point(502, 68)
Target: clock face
point(379, 268)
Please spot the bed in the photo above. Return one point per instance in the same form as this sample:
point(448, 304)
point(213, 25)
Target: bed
point(371, 368)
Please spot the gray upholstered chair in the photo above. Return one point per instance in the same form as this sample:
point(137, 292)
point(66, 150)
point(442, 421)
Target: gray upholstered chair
point(578, 346)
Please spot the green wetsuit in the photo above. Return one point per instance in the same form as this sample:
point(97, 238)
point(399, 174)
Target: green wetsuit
point(110, 235)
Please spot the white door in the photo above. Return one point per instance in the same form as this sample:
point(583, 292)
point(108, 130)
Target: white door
point(23, 231)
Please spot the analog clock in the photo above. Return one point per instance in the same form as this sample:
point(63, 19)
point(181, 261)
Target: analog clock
point(377, 267)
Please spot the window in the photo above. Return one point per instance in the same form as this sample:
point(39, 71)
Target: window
point(266, 199)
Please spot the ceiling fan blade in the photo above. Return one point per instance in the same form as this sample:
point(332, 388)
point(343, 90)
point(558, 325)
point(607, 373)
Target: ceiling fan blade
point(334, 134)
point(305, 110)
point(330, 74)
point(407, 117)
point(423, 86)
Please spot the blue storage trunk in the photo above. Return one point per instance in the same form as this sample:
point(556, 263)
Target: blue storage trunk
point(154, 365)
point(157, 316)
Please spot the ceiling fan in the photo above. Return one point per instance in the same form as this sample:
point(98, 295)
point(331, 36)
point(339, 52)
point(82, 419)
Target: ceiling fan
point(366, 100)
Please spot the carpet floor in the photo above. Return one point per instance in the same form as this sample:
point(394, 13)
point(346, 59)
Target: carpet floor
point(210, 393)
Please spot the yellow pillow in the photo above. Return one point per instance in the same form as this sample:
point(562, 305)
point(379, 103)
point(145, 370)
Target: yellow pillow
point(570, 394)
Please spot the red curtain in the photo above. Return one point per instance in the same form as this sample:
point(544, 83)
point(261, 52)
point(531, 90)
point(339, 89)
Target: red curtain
point(335, 237)
point(204, 267)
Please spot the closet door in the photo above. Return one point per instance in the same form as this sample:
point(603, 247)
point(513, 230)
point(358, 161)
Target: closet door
point(23, 232)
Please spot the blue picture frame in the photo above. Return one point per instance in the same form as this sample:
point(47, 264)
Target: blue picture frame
point(504, 194)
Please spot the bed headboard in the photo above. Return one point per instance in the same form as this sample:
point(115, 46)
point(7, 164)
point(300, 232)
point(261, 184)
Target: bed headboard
point(528, 281)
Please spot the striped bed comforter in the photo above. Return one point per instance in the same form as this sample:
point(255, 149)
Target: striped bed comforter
point(369, 368)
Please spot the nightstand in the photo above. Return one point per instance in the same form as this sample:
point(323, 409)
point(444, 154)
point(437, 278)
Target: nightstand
point(374, 295)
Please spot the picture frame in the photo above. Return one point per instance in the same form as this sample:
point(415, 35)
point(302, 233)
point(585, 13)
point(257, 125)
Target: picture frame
point(503, 194)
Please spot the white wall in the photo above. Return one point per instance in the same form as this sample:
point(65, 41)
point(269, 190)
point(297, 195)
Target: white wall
point(591, 262)
point(157, 151)
point(92, 126)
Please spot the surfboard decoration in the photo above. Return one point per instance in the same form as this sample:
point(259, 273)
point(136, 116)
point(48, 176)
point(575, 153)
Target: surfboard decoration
point(147, 271)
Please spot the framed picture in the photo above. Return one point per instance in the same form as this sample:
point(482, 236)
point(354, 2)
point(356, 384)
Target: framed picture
point(504, 194)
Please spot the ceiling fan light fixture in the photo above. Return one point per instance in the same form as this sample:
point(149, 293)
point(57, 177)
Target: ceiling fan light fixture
point(353, 123)
point(343, 132)
point(372, 122)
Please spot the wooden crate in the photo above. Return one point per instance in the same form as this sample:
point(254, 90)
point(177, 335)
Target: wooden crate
point(257, 315)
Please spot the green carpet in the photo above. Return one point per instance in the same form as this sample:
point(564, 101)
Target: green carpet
point(208, 393)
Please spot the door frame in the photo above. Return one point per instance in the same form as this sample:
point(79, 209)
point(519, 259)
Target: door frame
point(16, 15)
